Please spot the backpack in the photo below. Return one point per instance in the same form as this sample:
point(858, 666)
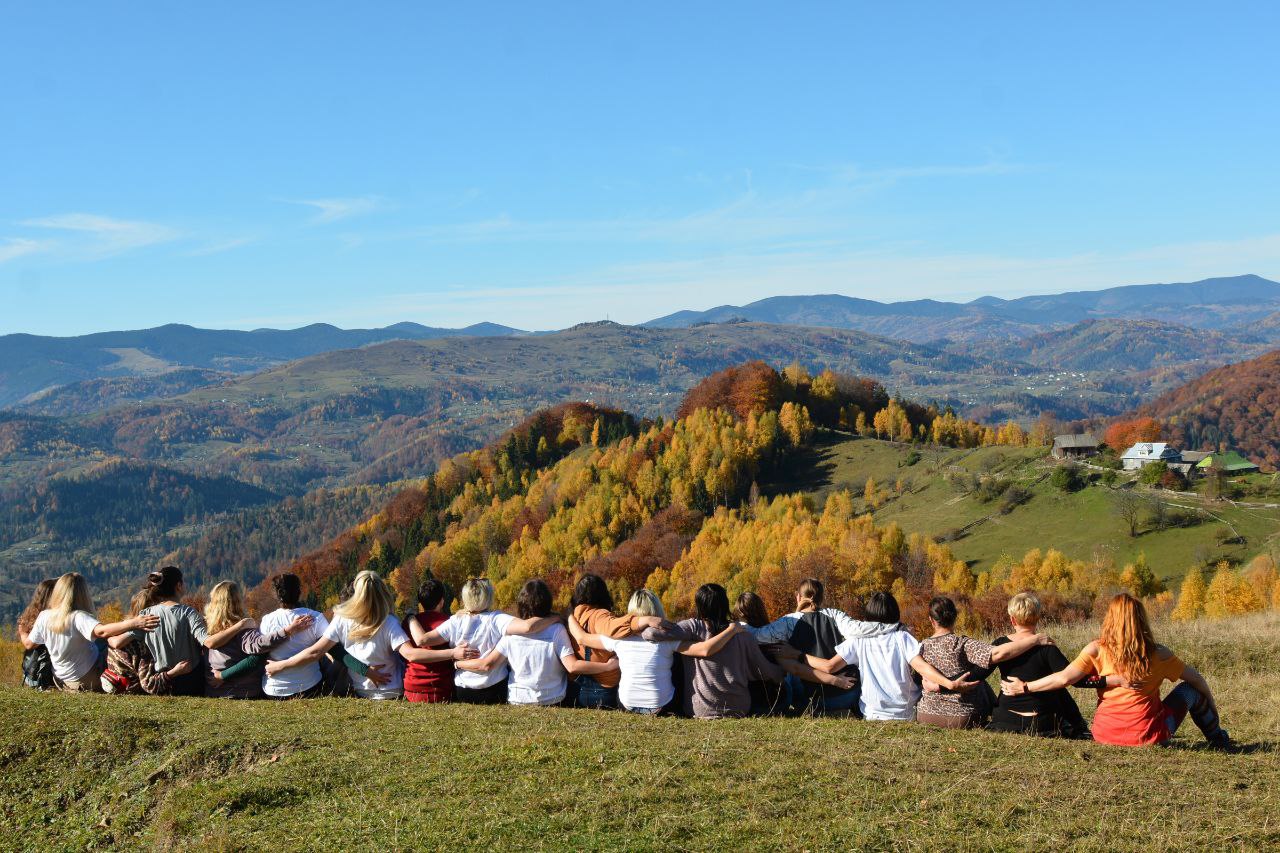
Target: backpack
point(37, 668)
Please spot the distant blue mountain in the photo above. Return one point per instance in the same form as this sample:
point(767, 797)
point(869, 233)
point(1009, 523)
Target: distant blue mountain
point(1215, 303)
point(33, 363)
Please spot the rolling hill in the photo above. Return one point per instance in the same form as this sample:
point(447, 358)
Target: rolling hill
point(1235, 406)
point(31, 364)
point(1216, 303)
point(1129, 347)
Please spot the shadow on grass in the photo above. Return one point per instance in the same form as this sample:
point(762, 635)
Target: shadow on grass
point(809, 470)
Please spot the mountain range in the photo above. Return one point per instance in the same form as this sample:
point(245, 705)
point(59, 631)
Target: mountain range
point(1215, 303)
point(36, 372)
point(31, 364)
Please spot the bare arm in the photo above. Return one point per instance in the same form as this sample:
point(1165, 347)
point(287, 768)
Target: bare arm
point(310, 654)
point(487, 663)
point(1192, 676)
point(460, 652)
point(115, 629)
point(808, 673)
point(532, 625)
point(708, 647)
point(1056, 681)
point(582, 638)
point(929, 671)
point(831, 665)
point(577, 666)
point(227, 634)
point(1013, 648)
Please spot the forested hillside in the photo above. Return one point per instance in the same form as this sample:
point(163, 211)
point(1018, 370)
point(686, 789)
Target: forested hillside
point(109, 519)
point(673, 504)
point(1237, 407)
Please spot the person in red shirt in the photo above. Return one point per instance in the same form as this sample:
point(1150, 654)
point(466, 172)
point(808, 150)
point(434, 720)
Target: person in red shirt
point(433, 681)
point(1130, 710)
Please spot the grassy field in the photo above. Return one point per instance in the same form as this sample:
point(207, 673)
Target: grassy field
point(1080, 524)
point(106, 772)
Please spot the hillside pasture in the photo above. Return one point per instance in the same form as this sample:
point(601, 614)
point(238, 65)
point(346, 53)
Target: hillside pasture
point(114, 772)
point(1081, 524)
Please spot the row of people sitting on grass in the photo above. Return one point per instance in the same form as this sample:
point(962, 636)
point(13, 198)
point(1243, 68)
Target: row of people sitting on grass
point(721, 662)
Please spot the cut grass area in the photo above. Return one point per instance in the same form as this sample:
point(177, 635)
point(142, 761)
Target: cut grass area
point(1080, 524)
point(101, 771)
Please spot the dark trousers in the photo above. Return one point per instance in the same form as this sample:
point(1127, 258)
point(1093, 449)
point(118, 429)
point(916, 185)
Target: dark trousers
point(190, 684)
point(1185, 699)
point(493, 695)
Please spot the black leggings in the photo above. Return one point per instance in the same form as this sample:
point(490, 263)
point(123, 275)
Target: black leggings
point(190, 684)
point(493, 695)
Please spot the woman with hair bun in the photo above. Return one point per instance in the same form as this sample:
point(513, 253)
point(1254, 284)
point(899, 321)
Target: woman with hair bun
point(181, 634)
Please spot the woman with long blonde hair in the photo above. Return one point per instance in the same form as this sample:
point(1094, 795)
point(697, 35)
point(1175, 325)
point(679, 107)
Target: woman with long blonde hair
point(235, 666)
point(366, 626)
point(1130, 710)
point(69, 629)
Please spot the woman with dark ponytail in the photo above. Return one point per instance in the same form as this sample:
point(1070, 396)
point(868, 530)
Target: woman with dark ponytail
point(181, 634)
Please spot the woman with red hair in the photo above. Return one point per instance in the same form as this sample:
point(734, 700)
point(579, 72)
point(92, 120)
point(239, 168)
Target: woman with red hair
point(1131, 712)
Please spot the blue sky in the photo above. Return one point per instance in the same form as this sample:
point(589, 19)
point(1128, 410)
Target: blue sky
point(536, 164)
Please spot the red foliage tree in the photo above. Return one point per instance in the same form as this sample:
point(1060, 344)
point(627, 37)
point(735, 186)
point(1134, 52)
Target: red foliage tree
point(1122, 435)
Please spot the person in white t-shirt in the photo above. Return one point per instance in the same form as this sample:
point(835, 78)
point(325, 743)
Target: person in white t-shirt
point(69, 630)
point(540, 663)
point(478, 628)
point(885, 663)
point(366, 626)
point(646, 686)
point(302, 681)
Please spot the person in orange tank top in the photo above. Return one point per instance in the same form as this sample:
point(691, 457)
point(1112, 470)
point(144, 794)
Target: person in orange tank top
point(1130, 710)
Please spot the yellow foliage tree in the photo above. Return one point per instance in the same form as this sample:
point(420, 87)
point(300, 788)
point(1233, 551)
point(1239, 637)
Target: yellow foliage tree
point(1139, 580)
point(1230, 595)
point(1191, 598)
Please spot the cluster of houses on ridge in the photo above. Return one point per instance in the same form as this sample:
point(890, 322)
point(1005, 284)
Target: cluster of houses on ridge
point(1187, 462)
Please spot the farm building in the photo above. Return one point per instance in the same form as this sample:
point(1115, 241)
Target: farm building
point(1229, 463)
point(1144, 453)
point(1074, 446)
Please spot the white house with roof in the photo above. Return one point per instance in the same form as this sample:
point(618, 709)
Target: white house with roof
point(1145, 452)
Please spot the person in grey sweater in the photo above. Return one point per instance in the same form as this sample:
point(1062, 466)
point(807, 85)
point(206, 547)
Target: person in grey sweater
point(181, 635)
point(719, 685)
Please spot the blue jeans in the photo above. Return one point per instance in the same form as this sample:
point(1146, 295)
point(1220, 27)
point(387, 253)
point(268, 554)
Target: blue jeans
point(1185, 699)
point(592, 695)
point(809, 697)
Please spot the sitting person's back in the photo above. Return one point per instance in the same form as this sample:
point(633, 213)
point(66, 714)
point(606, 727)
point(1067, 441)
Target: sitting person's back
point(303, 680)
point(1050, 713)
point(720, 685)
point(537, 676)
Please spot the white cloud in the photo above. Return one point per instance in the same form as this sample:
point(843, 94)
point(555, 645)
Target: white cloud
point(92, 236)
point(17, 247)
point(336, 209)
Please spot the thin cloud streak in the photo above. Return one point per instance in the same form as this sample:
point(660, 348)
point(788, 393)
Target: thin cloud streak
point(90, 236)
point(337, 209)
point(18, 247)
